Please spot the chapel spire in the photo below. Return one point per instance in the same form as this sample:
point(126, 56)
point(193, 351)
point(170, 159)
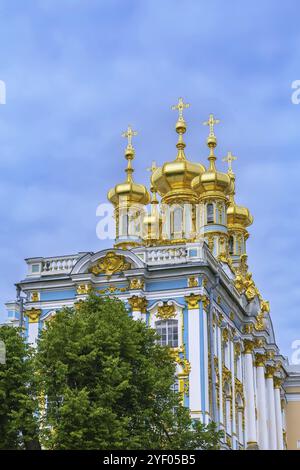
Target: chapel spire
point(180, 128)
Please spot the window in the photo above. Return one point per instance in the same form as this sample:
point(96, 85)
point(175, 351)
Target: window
point(177, 222)
point(231, 245)
point(210, 213)
point(168, 332)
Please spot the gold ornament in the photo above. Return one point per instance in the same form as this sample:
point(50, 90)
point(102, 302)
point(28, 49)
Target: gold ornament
point(83, 289)
point(35, 296)
point(248, 328)
point(166, 311)
point(110, 264)
point(193, 301)
point(193, 281)
point(136, 284)
point(260, 360)
point(260, 322)
point(225, 335)
point(243, 281)
point(138, 304)
point(248, 346)
point(277, 382)
point(33, 315)
point(270, 371)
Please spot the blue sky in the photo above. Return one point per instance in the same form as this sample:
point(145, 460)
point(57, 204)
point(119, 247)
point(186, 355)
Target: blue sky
point(77, 72)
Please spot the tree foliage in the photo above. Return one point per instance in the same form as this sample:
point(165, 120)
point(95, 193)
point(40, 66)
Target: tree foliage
point(109, 384)
point(18, 402)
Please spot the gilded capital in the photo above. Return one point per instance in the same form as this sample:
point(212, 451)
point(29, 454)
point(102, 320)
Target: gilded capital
point(33, 315)
point(270, 371)
point(193, 301)
point(138, 304)
point(277, 382)
point(260, 360)
point(248, 346)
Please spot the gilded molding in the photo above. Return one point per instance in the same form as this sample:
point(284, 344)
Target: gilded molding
point(33, 315)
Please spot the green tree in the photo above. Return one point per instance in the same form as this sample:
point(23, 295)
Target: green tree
point(18, 403)
point(108, 384)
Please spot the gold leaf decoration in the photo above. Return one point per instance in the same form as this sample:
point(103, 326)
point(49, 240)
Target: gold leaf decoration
point(110, 264)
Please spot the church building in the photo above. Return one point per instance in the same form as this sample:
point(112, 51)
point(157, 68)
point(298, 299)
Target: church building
point(179, 262)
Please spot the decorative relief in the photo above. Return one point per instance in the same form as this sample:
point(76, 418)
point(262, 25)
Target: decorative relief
point(260, 360)
point(243, 281)
point(83, 289)
point(225, 335)
point(110, 264)
point(193, 281)
point(248, 328)
point(35, 296)
point(166, 311)
point(33, 315)
point(277, 382)
point(136, 284)
point(112, 290)
point(138, 304)
point(270, 371)
point(248, 346)
point(193, 301)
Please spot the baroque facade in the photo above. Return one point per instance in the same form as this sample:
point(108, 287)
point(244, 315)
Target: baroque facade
point(180, 264)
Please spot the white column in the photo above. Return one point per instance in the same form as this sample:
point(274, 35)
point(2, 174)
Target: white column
point(249, 396)
point(33, 325)
point(205, 347)
point(261, 403)
point(271, 408)
point(232, 366)
point(219, 340)
point(138, 306)
point(278, 413)
point(194, 355)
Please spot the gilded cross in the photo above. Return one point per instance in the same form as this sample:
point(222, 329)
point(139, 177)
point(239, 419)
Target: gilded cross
point(129, 134)
point(229, 159)
point(180, 106)
point(153, 167)
point(211, 123)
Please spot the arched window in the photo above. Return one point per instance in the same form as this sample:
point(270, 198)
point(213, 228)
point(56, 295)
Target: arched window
point(177, 222)
point(231, 245)
point(168, 332)
point(210, 213)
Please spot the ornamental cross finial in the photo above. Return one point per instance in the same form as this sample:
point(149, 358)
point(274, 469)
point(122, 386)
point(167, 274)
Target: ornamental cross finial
point(180, 106)
point(211, 123)
point(229, 159)
point(129, 134)
point(153, 167)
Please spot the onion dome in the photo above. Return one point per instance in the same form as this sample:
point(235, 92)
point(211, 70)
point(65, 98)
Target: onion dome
point(238, 217)
point(173, 180)
point(212, 183)
point(129, 192)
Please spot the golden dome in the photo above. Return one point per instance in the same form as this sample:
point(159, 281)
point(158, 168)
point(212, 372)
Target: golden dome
point(129, 192)
point(212, 182)
point(238, 217)
point(173, 180)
